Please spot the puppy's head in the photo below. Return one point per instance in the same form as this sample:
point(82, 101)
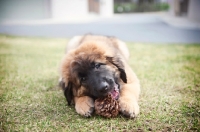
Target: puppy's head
point(94, 75)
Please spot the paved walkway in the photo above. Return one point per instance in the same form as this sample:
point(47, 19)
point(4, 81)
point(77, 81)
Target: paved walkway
point(141, 27)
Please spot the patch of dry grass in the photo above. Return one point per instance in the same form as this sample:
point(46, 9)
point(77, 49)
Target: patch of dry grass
point(31, 101)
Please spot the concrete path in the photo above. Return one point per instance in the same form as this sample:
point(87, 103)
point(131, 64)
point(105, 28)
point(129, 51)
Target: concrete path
point(147, 27)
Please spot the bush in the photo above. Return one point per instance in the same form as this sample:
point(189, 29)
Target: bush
point(144, 7)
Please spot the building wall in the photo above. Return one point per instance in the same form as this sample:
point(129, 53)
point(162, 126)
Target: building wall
point(56, 9)
point(24, 9)
point(65, 8)
point(106, 7)
point(194, 10)
point(174, 7)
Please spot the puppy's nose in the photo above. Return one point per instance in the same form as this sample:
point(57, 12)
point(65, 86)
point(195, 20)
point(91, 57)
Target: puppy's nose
point(104, 86)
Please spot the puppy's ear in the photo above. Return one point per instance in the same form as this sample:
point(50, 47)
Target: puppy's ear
point(68, 92)
point(116, 61)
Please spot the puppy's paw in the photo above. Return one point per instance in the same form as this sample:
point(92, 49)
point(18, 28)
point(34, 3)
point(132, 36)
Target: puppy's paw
point(84, 106)
point(129, 107)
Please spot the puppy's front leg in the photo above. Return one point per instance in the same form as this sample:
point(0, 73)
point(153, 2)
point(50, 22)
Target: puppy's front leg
point(128, 100)
point(84, 105)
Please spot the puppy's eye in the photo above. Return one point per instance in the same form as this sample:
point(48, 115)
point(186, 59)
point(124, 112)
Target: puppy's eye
point(97, 66)
point(83, 79)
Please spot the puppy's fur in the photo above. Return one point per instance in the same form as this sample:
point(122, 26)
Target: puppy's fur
point(93, 67)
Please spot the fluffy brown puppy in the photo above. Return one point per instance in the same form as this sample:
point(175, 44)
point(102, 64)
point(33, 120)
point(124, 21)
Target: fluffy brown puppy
point(95, 66)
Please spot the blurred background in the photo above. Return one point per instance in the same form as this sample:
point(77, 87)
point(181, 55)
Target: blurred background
point(165, 21)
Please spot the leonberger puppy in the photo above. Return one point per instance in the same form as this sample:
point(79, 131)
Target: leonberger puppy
point(95, 66)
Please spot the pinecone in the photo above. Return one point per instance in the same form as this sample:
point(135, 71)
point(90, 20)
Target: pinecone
point(107, 107)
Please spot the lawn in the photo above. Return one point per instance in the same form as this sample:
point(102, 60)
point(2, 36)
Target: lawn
point(30, 99)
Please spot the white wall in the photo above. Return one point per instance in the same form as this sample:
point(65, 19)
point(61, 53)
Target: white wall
point(68, 8)
point(106, 7)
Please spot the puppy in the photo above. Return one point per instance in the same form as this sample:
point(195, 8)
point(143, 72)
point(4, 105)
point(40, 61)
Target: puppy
point(95, 66)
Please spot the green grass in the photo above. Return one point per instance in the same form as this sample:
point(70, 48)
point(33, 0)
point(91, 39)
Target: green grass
point(30, 99)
